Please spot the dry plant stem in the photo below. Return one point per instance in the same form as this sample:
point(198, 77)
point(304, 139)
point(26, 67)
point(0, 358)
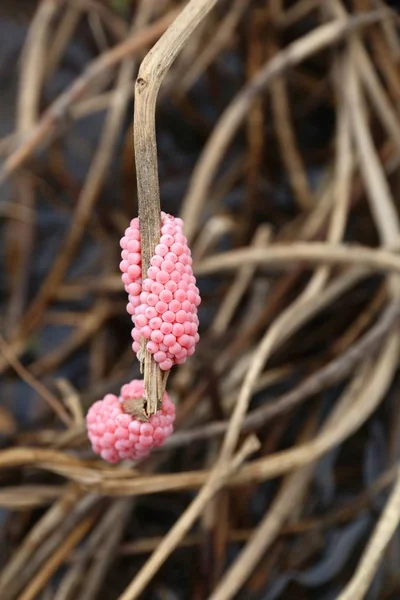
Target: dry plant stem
point(106, 552)
point(189, 54)
point(86, 329)
point(258, 470)
point(187, 519)
point(222, 38)
point(280, 255)
point(388, 225)
point(295, 13)
point(268, 298)
point(342, 429)
point(97, 541)
point(255, 122)
point(287, 460)
point(212, 232)
point(377, 187)
point(26, 376)
point(116, 24)
point(72, 401)
point(62, 37)
point(91, 189)
point(32, 70)
point(59, 109)
point(381, 50)
point(239, 286)
point(21, 234)
point(328, 375)
point(29, 496)
point(342, 182)
point(57, 558)
point(285, 325)
point(371, 81)
point(315, 220)
point(233, 116)
point(76, 574)
point(289, 151)
point(212, 518)
point(288, 498)
point(361, 323)
point(48, 545)
point(146, 545)
point(285, 502)
point(36, 456)
point(43, 528)
point(375, 550)
point(151, 74)
point(390, 31)
point(297, 483)
point(97, 31)
point(346, 512)
point(339, 515)
point(340, 198)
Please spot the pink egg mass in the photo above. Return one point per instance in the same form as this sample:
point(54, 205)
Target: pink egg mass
point(167, 297)
point(117, 435)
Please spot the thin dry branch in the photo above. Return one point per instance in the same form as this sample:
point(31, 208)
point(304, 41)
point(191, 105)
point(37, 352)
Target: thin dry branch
point(187, 519)
point(298, 51)
point(290, 155)
point(370, 80)
point(40, 134)
point(288, 460)
point(222, 38)
point(289, 255)
point(57, 558)
point(328, 375)
point(40, 532)
point(62, 37)
point(269, 305)
point(375, 551)
point(101, 160)
point(239, 286)
point(21, 233)
point(150, 77)
point(285, 503)
point(105, 552)
point(31, 380)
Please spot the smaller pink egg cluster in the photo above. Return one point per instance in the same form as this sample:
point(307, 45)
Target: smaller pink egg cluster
point(116, 435)
point(164, 305)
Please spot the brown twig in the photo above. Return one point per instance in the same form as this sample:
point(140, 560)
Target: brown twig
point(328, 375)
point(59, 109)
point(385, 529)
point(151, 74)
point(314, 253)
point(317, 305)
point(21, 233)
point(26, 376)
point(292, 55)
point(187, 519)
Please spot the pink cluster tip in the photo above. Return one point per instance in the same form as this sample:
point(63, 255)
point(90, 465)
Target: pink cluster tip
point(116, 435)
point(164, 305)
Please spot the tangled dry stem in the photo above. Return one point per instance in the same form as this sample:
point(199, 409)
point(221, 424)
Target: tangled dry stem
point(289, 273)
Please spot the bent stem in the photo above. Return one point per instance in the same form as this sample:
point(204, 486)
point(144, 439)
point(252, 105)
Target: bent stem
point(151, 74)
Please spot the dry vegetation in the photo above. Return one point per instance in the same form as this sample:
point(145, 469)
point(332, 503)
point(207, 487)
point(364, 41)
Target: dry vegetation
point(278, 130)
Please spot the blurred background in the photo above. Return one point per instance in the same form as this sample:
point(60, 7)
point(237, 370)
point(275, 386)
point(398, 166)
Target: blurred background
point(278, 132)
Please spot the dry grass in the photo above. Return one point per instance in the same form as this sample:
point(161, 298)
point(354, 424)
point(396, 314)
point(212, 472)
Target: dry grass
point(281, 121)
